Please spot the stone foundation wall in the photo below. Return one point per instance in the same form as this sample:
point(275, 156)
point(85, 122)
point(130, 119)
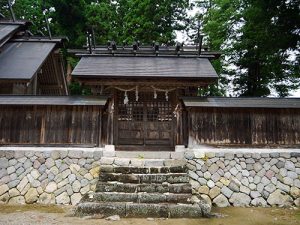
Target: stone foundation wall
point(253, 177)
point(47, 176)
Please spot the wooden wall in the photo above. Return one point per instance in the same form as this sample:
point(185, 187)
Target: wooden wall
point(90, 125)
point(51, 125)
point(244, 126)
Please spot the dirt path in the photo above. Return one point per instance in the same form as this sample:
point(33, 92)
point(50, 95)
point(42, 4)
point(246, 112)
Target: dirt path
point(44, 215)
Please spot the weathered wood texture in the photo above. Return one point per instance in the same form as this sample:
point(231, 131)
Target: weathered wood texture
point(50, 125)
point(244, 126)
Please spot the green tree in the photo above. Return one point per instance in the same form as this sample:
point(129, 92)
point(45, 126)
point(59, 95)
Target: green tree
point(143, 20)
point(259, 40)
point(102, 19)
point(154, 20)
point(69, 19)
point(31, 10)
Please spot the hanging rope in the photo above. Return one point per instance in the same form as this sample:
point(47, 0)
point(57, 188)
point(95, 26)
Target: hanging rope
point(136, 93)
point(126, 99)
point(162, 90)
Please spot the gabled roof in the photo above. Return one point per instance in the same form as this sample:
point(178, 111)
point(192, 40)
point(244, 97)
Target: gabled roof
point(9, 28)
point(144, 67)
point(242, 102)
point(21, 60)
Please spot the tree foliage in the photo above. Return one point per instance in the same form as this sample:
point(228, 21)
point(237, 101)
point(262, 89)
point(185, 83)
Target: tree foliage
point(27, 10)
point(143, 20)
point(69, 19)
point(260, 41)
point(120, 20)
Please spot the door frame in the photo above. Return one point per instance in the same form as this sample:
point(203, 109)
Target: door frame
point(144, 147)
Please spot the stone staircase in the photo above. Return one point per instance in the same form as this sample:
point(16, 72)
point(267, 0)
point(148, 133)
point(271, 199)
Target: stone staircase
point(154, 188)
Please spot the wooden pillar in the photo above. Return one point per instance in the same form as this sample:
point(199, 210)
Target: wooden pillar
point(43, 126)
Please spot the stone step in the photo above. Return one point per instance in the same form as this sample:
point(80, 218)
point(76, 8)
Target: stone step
point(143, 170)
point(145, 178)
point(150, 188)
point(129, 209)
point(141, 162)
point(144, 154)
point(137, 197)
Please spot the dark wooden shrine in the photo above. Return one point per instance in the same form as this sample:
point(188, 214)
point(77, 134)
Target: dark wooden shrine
point(145, 84)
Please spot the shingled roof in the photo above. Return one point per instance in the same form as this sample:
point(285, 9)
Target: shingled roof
point(242, 102)
point(21, 60)
point(8, 29)
point(144, 67)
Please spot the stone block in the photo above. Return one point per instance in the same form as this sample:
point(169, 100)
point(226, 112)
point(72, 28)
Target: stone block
point(46, 199)
point(75, 154)
point(75, 198)
point(240, 199)
point(259, 202)
point(203, 190)
point(51, 187)
point(97, 155)
point(14, 183)
point(181, 211)
point(157, 163)
point(214, 192)
point(31, 196)
point(122, 162)
point(3, 188)
point(190, 154)
point(17, 200)
point(289, 166)
point(63, 198)
point(177, 155)
point(229, 156)
point(221, 201)
point(279, 198)
point(210, 184)
point(270, 188)
point(106, 161)
point(180, 148)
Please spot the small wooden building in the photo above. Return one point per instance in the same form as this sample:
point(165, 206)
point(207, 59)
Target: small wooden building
point(145, 85)
point(153, 103)
point(30, 65)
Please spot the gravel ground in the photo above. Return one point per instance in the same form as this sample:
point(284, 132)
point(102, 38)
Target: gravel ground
point(50, 215)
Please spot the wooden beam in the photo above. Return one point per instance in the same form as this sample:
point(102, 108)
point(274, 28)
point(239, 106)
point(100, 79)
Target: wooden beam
point(58, 80)
point(162, 82)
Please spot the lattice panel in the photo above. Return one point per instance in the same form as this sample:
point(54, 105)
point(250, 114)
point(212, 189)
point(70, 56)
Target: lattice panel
point(147, 108)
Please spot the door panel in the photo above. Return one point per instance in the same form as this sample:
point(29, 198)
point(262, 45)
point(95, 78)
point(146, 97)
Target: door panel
point(146, 122)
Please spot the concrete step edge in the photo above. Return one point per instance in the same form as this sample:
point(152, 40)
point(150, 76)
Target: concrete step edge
point(140, 197)
point(141, 162)
point(143, 170)
point(129, 209)
point(144, 187)
point(145, 178)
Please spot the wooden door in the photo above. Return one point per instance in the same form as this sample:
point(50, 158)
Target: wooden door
point(146, 124)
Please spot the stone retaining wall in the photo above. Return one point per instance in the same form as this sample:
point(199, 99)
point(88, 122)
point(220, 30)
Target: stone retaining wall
point(48, 176)
point(246, 178)
point(238, 177)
